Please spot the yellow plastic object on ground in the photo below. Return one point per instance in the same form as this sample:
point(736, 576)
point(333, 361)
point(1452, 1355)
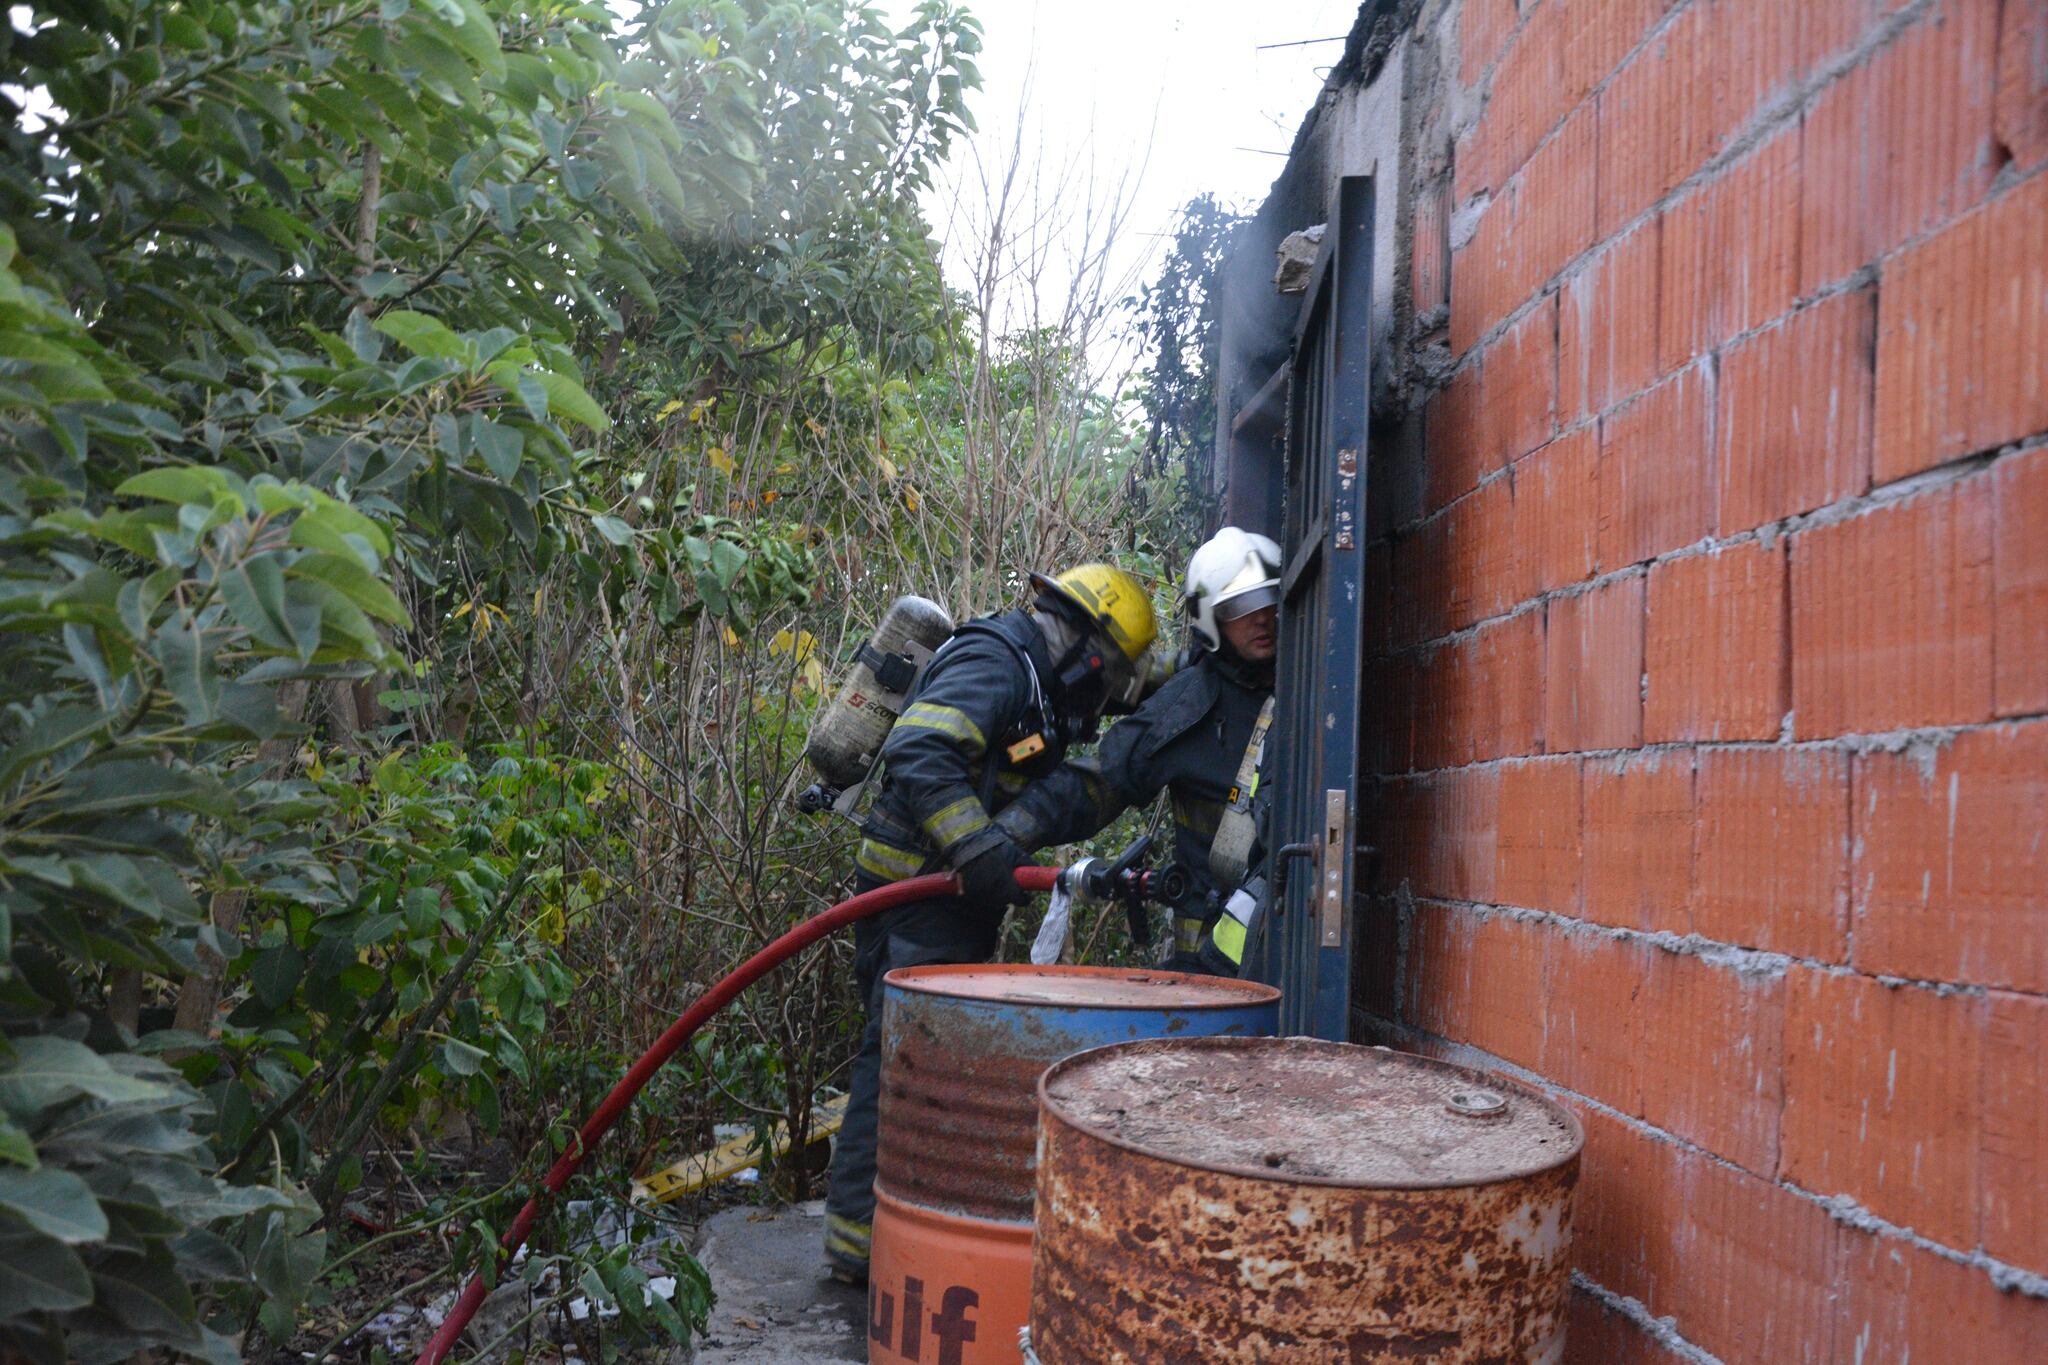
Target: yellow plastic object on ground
point(728, 1159)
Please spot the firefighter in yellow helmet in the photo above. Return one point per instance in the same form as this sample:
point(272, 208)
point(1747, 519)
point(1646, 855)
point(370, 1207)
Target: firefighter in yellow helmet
point(1200, 738)
point(998, 706)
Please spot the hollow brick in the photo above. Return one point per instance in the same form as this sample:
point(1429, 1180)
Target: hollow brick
point(1655, 473)
point(1714, 645)
point(1951, 866)
point(1793, 431)
point(1899, 144)
point(1962, 327)
point(1891, 616)
point(1593, 669)
point(1881, 1099)
point(1557, 509)
point(1772, 868)
point(1537, 854)
point(1640, 824)
point(2020, 577)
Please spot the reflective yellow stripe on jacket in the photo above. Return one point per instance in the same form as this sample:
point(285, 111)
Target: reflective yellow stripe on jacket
point(1228, 936)
point(888, 862)
point(951, 823)
point(949, 721)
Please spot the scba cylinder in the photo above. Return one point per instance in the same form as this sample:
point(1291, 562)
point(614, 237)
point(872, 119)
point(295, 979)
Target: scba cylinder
point(962, 1050)
point(848, 734)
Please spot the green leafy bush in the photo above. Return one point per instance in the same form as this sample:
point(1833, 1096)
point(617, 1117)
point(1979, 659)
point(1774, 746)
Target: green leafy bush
point(330, 335)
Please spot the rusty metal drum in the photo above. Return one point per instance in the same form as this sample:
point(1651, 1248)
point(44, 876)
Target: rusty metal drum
point(962, 1050)
point(1284, 1200)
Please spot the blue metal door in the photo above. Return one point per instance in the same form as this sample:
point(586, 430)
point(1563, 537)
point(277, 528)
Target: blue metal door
point(1313, 767)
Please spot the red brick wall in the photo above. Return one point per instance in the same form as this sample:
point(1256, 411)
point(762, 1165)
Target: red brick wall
point(1710, 705)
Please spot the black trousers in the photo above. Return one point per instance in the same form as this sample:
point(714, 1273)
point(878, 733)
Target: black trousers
point(915, 935)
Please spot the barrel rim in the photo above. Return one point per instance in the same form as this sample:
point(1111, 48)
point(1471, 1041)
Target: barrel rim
point(912, 1211)
point(923, 980)
point(1048, 1110)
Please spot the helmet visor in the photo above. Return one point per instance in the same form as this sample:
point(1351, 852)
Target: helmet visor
point(1124, 680)
point(1248, 601)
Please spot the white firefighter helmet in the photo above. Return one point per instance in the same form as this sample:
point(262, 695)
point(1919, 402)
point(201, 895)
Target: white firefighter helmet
point(1235, 573)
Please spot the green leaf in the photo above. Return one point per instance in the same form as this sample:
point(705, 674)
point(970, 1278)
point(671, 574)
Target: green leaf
point(16, 1146)
point(339, 529)
point(215, 1349)
point(286, 1261)
point(182, 654)
point(53, 1202)
point(254, 593)
point(134, 531)
point(361, 337)
point(57, 728)
point(204, 1258)
point(125, 783)
point(727, 560)
point(500, 445)
point(533, 394)
point(349, 578)
point(276, 974)
point(45, 1070)
point(147, 1294)
point(477, 36)
point(375, 929)
point(422, 334)
point(83, 645)
point(185, 484)
point(567, 398)
point(124, 881)
point(346, 632)
point(39, 1274)
point(154, 1127)
point(440, 65)
point(422, 911)
point(613, 530)
point(461, 1059)
point(652, 115)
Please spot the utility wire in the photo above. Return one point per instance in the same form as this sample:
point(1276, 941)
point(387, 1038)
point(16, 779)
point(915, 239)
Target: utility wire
point(1303, 42)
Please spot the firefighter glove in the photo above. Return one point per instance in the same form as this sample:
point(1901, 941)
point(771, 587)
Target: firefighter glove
point(989, 877)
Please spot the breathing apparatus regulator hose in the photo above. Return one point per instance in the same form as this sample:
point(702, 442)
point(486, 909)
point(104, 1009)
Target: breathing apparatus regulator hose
point(671, 1041)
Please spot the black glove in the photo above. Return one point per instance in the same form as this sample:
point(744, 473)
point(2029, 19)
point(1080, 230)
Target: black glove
point(989, 877)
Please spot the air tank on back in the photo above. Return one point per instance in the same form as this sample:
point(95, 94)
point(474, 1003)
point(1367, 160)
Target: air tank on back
point(848, 734)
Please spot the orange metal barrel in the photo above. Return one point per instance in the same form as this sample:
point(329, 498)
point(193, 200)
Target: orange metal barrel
point(962, 1051)
point(945, 1288)
point(1282, 1200)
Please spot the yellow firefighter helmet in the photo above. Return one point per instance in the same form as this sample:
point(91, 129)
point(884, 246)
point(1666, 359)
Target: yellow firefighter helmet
point(1114, 601)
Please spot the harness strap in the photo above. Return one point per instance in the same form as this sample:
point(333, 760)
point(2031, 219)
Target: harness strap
point(1231, 850)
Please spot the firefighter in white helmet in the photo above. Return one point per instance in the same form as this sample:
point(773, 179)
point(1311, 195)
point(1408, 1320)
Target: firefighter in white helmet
point(1199, 737)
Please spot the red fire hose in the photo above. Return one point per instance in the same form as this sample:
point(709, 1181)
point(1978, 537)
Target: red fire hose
point(710, 1003)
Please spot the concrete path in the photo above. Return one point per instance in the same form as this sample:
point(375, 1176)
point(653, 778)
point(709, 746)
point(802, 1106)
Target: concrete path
point(776, 1306)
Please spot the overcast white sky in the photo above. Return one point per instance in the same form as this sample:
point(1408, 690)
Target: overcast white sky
point(1159, 95)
